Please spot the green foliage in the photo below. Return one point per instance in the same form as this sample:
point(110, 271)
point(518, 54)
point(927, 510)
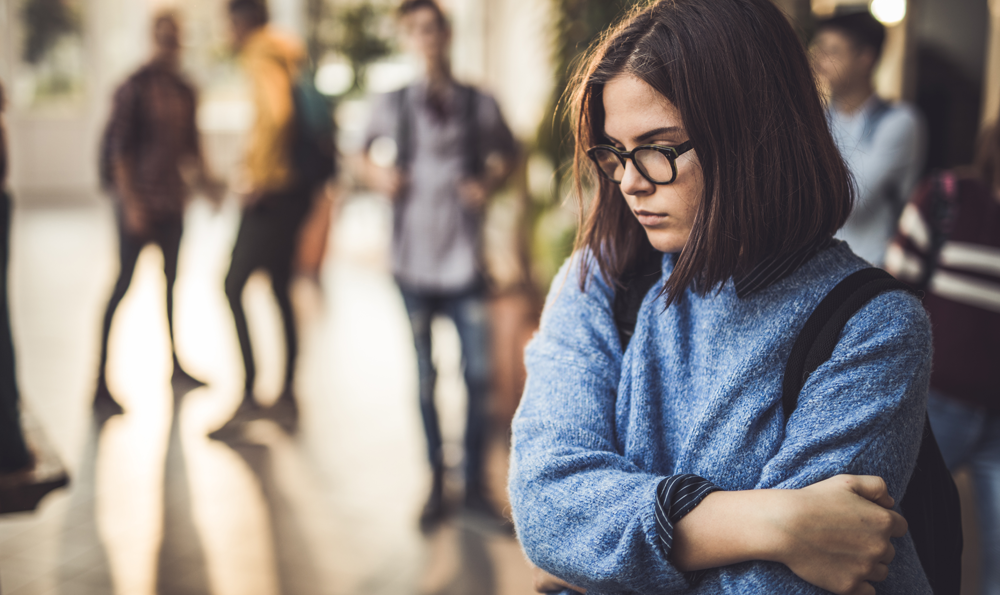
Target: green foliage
point(363, 36)
point(579, 23)
point(45, 23)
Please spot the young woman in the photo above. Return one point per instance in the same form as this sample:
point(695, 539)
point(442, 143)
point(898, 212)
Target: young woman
point(669, 467)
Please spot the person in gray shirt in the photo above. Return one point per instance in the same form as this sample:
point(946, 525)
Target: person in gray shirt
point(452, 149)
point(883, 143)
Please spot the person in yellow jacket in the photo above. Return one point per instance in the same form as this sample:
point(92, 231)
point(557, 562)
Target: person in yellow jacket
point(275, 202)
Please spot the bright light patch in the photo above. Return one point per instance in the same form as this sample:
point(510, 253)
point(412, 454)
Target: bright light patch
point(889, 12)
point(334, 78)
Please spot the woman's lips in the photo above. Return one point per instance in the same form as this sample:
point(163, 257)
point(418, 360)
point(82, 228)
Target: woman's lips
point(649, 219)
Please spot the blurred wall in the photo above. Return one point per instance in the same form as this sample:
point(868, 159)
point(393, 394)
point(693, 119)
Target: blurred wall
point(54, 149)
point(504, 45)
point(507, 46)
point(991, 91)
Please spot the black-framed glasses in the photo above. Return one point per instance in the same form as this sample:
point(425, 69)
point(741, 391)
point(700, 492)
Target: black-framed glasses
point(656, 163)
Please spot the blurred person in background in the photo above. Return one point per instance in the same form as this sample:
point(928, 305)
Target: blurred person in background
point(277, 193)
point(150, 158)
point(453, 150)
point(883, 143)
point(14, 455)
point(948, 245)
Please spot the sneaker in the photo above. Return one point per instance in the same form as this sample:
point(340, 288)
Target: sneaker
point(485, 516)
point(249, 410)
point(436, 509)
point(104, 404)
point(185, 380)
point(285, 411)
point(434, 513)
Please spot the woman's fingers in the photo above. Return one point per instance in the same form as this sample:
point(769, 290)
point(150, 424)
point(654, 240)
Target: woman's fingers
point(870, 487)
point(899, 525)
point(546, 583)
point(879, 573)
point(840, 531)
point(862, 589)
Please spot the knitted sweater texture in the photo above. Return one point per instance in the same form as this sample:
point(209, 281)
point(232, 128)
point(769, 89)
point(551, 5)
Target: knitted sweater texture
point(698, 390)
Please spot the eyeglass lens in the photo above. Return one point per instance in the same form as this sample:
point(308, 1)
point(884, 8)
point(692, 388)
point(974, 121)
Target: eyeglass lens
point(654, 164)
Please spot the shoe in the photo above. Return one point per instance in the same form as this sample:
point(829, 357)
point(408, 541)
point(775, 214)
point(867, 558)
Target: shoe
point(435, 510)
point(434, 513)
point(249, 410)
point(285, 411)
point(104, 405)
point(485, 516)
point(180, 377)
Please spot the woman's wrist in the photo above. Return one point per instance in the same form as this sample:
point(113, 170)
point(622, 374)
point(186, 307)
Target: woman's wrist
point(732, 527)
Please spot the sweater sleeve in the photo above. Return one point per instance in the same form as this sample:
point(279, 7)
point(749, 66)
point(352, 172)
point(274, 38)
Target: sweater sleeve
point(583, 512)
point(861, 412)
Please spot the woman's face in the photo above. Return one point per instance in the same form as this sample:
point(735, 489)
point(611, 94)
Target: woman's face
point(636, 114)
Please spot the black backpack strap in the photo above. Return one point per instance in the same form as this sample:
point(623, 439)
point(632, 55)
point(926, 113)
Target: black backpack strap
point(821, 332)
point(468, 99)
point(873, 119)
point(403, 129)
point(635, 284)
point(930, 502)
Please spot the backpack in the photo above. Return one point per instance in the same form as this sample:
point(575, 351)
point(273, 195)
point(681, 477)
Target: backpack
point(930, 502)
point(314, 152)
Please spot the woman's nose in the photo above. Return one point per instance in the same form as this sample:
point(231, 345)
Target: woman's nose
point(633, 182)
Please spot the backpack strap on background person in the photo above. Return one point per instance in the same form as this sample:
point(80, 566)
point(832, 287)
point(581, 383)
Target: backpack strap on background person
point(930, 502)
point(403, 128)
point(878, 112)
point(468, 101)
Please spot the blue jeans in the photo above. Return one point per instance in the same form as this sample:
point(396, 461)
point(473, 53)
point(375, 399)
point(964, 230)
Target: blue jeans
point(970, 436)
point(469, 312)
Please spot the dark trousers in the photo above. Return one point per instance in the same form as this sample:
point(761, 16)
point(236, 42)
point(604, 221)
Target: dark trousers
point(468, 310)
point(165, 233)
point(267, 240)
point(13, 451)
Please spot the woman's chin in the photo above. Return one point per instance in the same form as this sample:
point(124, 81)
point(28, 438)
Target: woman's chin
point(668, 241)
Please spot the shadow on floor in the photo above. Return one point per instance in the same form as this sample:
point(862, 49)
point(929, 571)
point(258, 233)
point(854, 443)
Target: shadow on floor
point(181, 567)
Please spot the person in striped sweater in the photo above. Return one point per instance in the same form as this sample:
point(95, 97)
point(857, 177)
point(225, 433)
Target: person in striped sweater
point(948, 244)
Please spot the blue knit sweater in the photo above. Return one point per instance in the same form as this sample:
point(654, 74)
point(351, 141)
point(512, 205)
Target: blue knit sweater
point(699, 391)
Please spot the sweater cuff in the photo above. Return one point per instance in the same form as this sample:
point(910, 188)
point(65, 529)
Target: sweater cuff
point(676, 496)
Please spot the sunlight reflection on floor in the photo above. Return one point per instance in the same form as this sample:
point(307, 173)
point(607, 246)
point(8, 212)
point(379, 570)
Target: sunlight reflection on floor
point(157, 507)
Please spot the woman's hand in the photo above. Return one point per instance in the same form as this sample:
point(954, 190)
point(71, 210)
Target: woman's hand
point(833, 534)
point(546, 583)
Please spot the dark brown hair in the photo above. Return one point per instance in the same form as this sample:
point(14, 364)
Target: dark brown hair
point(774, 180)
point(410, 6)
point(3, 140)
point(987, 163)
point(860, 27)
point(254, 11)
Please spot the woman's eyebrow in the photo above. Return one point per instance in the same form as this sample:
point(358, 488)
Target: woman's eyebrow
point(651, 134)
point(659, 132)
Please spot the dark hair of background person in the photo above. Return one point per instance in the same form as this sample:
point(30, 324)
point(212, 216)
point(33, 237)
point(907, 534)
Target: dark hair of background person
point(253, 11)
point(411, 6)
point(860, 27)
point(165, 17)
point(987, 163)
point(774, 180)
point(3, 140)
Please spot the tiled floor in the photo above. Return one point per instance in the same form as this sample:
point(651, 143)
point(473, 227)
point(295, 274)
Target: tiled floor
point(156, 507)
